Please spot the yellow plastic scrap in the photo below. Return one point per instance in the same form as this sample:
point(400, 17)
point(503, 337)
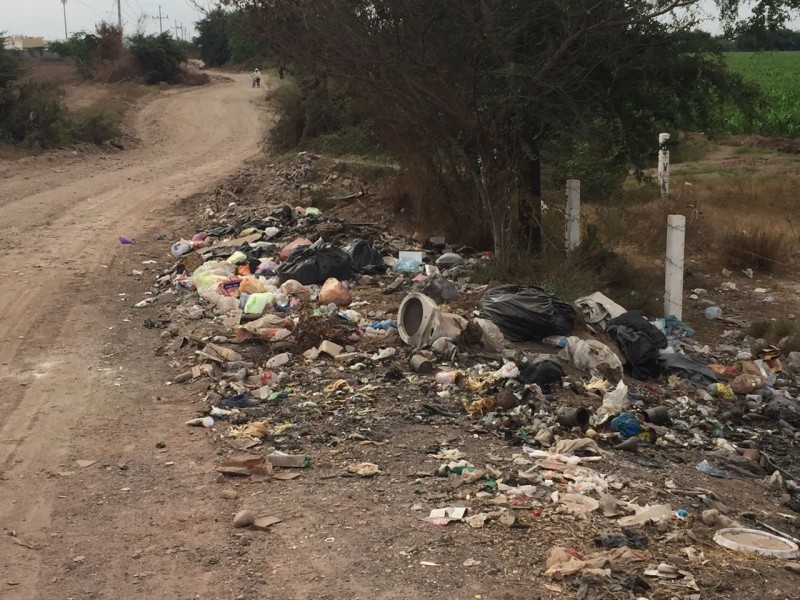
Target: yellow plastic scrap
point(481, 405)
point(256, 429)
point(474, 384)
point(598, 385)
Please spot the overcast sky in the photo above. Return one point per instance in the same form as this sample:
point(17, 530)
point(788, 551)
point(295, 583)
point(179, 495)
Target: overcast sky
point(44, 18)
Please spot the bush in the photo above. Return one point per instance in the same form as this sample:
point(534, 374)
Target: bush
point(96, 127)
point(160, 57)
point(32, 115)
point(314, 114)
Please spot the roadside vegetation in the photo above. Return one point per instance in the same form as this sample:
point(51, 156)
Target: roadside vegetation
point(32, 115)
point(106, 56)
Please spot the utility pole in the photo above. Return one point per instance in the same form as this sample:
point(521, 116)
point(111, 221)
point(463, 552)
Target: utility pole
point(64, 5)
point(119, 16)
point(160, 19)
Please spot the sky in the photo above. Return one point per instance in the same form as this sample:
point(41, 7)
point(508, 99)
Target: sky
point(45, 18)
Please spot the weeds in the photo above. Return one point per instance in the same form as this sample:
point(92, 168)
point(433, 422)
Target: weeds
point(782, 334)
point(757, 248)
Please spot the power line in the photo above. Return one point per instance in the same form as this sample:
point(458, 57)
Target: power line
point(90, 6)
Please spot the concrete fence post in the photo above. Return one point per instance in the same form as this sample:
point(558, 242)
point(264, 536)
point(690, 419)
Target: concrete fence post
point(663, 164)
point(673, 279)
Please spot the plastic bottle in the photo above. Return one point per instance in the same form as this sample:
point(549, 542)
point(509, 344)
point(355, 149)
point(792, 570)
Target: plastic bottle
point(705, 467)
point(281, 300)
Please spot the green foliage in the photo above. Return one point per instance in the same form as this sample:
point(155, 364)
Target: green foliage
point(160, 57)
point(81, 47)
point(96, 127)
point(213, 38)
point(315, 114)
point(776, 75)
point(230, 37)
point(91, 50)
point(33, 116)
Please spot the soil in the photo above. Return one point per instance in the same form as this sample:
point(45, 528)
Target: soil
point(79, 380)
point(105, 493)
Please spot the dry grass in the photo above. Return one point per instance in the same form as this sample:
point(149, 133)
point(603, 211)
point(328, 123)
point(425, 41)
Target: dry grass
point(761, 249)
point(741, 212)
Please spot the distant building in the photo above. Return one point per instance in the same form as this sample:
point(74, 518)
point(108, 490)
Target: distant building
point(23, 44)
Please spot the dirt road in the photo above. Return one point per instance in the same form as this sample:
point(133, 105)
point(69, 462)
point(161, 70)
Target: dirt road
point(77, 381)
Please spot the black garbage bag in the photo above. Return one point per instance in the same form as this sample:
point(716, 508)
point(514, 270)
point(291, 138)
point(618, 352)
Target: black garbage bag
point(441, 290)
point(688, 368)
point(525, 313)
point(639, 342)
point(366, 259)
point(315, 263)
point(541, 370)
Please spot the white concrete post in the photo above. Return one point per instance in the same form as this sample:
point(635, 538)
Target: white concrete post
point(673, 280)
point(573, 214)
point(663, 164)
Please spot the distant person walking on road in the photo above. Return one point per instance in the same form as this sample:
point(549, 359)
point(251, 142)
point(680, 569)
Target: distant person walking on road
point(256, 78)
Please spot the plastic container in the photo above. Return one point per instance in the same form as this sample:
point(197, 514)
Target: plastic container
point(759, 542)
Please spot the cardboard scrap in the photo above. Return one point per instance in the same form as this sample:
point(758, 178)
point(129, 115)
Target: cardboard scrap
point(443, 516)
point(246, 465)
point(265, 523)
point(364, 469)
point(564, 562)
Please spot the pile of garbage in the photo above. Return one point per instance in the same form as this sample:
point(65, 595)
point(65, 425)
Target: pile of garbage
point(293, 323)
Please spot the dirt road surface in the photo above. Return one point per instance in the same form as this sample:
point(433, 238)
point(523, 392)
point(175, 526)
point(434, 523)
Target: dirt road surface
point(79, 383)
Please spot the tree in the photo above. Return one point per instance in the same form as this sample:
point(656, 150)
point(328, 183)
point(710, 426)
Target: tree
point(213, 38)
point(160, 56)
point(476, 91)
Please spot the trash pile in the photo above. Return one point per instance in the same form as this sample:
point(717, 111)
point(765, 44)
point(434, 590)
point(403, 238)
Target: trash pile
point(299, 330)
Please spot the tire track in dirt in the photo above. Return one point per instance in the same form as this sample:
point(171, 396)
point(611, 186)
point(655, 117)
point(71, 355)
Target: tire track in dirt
point(57, 319)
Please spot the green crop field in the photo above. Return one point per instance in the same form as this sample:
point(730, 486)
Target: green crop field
point(778, 74)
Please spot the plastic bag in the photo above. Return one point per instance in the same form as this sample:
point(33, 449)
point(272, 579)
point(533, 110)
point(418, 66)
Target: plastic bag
point(527, 313)
point(614, 402)
point(640, 342)
point(541, 370)
point(365, 258)
point(491, 336)
point(251, 285)
point(334, 292)
point(315, 264)
point(289, 248)
point(592, 356)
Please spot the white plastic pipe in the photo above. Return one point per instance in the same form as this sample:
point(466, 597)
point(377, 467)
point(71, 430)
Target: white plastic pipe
point(573, 215)
point(673, 279)
point(663, 164)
